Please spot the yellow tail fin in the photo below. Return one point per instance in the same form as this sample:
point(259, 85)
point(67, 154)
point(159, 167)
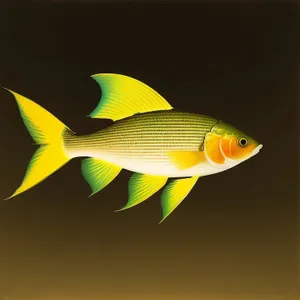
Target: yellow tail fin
point(47, 131)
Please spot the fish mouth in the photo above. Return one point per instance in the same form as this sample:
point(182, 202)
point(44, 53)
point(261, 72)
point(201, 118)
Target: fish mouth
point(257, 149)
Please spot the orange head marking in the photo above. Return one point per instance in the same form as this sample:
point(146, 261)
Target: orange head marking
point(230, 143)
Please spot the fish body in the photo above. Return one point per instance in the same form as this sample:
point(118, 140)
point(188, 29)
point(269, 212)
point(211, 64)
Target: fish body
point(148, 137)
point(144, 143)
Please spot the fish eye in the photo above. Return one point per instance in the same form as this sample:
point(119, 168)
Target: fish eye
point(242, 142)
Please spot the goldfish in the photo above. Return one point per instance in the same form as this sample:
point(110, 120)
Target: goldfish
point(147, 136)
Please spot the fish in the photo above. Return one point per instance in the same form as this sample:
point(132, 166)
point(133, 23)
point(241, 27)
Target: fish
point(147, 136)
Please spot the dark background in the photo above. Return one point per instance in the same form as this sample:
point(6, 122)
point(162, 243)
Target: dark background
point(235, 236)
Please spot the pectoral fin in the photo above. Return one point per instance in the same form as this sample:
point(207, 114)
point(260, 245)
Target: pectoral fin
point(99, 173)
point(123, 96)
point(143, 186)
point(186, 159)
point(174, 193)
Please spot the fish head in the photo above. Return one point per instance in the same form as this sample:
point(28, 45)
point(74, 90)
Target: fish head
point(234, 145)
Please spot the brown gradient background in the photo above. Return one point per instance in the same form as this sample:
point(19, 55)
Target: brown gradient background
point(235, 236)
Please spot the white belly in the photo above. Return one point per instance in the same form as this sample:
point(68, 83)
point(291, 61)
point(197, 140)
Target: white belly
point(160, 165)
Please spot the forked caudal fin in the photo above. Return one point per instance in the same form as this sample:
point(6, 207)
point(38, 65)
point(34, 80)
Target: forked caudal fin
point(47, 131)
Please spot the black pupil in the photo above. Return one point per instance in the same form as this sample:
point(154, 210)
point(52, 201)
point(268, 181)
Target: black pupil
point(243, 142)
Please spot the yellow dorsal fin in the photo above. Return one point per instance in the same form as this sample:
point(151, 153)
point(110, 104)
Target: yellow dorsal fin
point(186, 159)
point(123, 96)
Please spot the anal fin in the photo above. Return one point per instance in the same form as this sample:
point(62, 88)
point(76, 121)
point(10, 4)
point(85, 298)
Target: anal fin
point(141, 187)
point(99, 173)
point(174, 193)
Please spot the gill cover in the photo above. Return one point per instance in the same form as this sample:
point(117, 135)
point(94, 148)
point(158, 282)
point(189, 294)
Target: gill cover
point(226, 142)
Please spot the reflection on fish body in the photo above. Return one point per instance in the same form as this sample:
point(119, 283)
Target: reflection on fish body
point(148, 137)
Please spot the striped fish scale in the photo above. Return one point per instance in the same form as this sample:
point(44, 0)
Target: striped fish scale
point(148, 134)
